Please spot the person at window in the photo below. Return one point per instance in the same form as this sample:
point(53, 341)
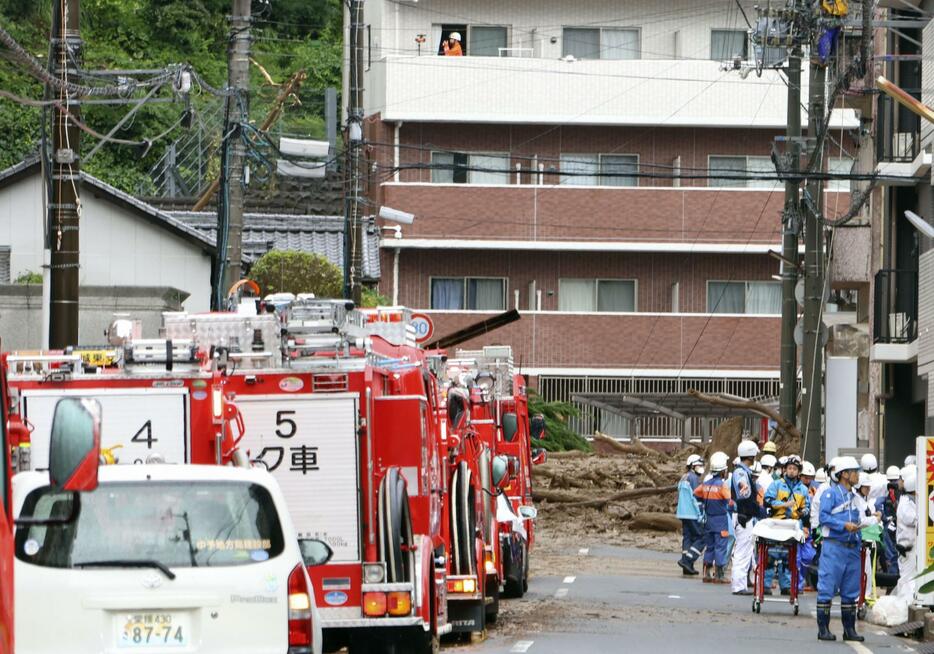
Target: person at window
point(452, 47)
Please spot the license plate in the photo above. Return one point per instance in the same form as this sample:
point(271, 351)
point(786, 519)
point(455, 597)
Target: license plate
point(142, 630)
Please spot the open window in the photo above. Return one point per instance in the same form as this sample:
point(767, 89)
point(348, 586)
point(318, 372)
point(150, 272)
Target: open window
point(446, 31)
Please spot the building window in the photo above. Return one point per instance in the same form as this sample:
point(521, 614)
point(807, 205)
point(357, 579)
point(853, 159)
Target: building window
point(759, 298)
point(741, 167)
point(597, 295)
point(601, 43)
point(487, 40)
point(839, 166)
point(600, 169)
point(729, 44)
point(470, 293)
point(469, 168)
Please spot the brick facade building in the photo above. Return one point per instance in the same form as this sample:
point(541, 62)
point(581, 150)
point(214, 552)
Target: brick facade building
point(594, 168)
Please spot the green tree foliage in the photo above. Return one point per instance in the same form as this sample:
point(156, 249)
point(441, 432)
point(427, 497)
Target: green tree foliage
point(150, 34)
point(289, 271)
point(372, 298)
point(28, 277)
point(558, 436)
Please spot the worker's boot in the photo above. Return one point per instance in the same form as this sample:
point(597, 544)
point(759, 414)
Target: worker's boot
point(721, 575)
point(708, 570)
point(848, 617)
point(823, 622)
point(687, 566)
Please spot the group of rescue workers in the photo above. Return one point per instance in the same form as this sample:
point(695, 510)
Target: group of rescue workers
point(719, 509)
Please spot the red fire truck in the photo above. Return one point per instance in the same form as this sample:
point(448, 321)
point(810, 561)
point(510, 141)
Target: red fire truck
point(6, 528)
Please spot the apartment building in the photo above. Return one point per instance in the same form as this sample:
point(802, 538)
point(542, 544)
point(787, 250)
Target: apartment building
point(592, 164)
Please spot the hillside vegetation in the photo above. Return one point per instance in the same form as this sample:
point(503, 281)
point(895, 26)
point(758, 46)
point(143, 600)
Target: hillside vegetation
point(143, 34)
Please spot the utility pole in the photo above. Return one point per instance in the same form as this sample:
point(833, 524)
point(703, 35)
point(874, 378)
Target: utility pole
point(813, 352)
point(65, 208)
point(230, 201)
point(353, 206)
point(791, 224)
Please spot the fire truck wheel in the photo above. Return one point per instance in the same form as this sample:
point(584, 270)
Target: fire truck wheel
point(395, 527)
point(464, 521)
point(517, 574)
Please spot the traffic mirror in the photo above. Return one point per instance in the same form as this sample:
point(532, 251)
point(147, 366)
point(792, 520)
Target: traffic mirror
point(314, 551)
point(75, 447)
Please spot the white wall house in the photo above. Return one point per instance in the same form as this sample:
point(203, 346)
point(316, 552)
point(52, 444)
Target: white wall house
point(124, 242)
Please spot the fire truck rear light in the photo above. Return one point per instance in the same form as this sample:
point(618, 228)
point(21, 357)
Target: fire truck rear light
point(489, 562)
point(468, 585)
point(399, 603)
point(374, 604)
point(374, 573)
point(300, 628)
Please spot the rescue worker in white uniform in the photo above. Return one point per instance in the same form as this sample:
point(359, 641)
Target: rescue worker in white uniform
point(815, 501)
point(877, 481)
point(748, 512)
point(906, 534)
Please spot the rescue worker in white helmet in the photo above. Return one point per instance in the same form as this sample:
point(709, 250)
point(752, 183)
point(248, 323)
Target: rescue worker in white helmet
point(748, 511)
point(910, 460)
point(787, 498)
point(807, 475)
point(887, 505)
point(906, 534)
point(689, 512)
point(714, 495)
point(815, 501)
point(877, 481)
point(867, 514)
point(765, 478)
point(841, 549)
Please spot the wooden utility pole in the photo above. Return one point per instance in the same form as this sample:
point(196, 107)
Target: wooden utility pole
point(230, 204)
point(353, 206)
point(788, 395)
point(65, 207)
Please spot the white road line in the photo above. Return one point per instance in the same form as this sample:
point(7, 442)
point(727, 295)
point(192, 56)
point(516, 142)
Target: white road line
point(584, 551)
point(569, 580)
point(859, 648)
point(674, 597)
point(522, 646)
point(561, 592)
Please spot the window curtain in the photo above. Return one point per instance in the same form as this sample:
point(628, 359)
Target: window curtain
point(496, 169)
point(727, 166)
point(581, 43)
point(582, 169)
point(613, 295)
point(486, 295)
point(761, 166)
point(764, 298)
point(727, 44)
point(576, 295)
point(726, 297)
point(620, 44)
point(486, 41)
point(447, 294)
point(622, 168)
point(442, 167)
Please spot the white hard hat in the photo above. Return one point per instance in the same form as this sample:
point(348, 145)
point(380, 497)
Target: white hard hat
point(807, 469)
point(718, 461)
point(782, 460)
point(868, 463)
point(757, 467)
point(455, 35)
point(747, 449)
point(908, 471)
point(693, 460)
point(736, 461)
point(892, 473)
point(820, 476)
point(846, 463)
point(863, 479)
point(911, 482)
point(910, 460)
point(768, 460)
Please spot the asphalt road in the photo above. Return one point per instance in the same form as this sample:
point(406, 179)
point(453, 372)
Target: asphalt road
point(624, 600)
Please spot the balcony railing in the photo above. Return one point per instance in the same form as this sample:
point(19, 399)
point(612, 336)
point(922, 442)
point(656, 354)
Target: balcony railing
point(896, 306)
point(899, 144)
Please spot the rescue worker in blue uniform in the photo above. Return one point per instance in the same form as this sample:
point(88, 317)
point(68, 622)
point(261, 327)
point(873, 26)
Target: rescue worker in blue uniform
point(714, 496)
point(787, 498)
point(689, 512)
point(840, 561)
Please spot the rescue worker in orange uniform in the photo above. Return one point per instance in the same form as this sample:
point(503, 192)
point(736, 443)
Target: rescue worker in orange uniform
point(715, 498)
point(452, 47)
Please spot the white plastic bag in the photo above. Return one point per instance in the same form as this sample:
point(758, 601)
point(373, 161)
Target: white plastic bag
point(889, 611)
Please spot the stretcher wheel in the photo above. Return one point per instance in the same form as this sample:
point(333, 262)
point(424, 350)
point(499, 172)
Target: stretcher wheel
point(756, 606)
point(861, 612)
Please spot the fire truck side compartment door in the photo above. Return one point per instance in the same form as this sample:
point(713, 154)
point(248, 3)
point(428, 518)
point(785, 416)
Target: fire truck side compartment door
point(142, 421)
point(310, 445)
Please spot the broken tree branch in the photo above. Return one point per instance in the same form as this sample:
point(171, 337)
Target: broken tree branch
point(787, 429)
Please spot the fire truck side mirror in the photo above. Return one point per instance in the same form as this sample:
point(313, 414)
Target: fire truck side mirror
point(314, 551)
point(75, 447)
point(528, 512)
point(537, 426)
point(510, 427)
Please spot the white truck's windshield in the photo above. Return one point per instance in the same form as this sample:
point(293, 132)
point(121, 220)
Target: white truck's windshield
point(176, 524)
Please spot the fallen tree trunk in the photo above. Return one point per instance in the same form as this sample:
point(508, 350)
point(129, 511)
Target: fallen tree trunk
point(577, 499)
point(635, 446)
point(655, 521)
point(568, 454)
point(787, 429)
